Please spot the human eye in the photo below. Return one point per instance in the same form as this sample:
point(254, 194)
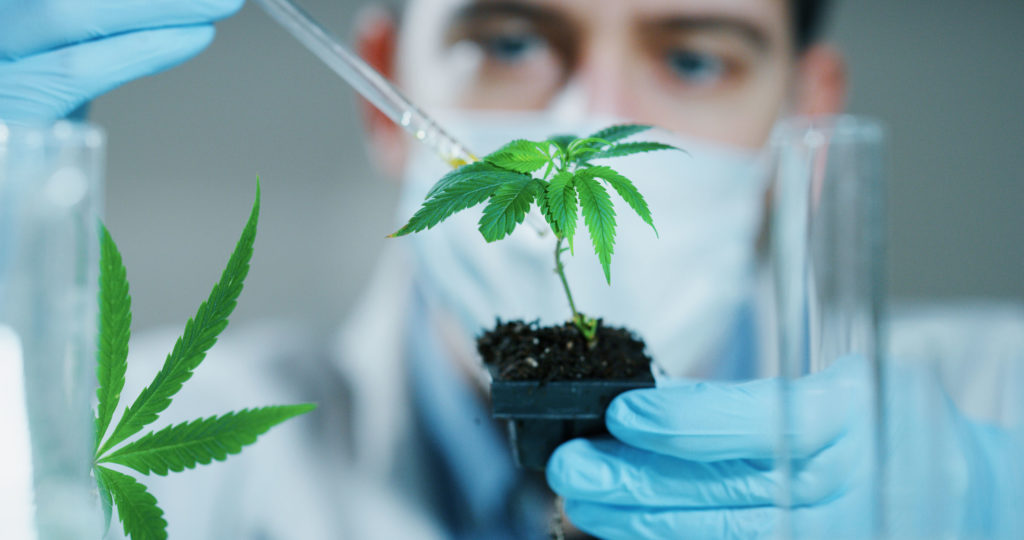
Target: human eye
point(695, 67)
point(508, 54)
point(511, 47)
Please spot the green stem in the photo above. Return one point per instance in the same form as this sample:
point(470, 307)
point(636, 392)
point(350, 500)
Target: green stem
point(560, 270)
point(588, 327)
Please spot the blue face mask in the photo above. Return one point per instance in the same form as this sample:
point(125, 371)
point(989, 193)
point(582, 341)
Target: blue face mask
point(681, 291)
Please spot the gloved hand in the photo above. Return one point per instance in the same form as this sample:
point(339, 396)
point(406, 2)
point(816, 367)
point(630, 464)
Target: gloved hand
point(56, 55)
point(696, 461)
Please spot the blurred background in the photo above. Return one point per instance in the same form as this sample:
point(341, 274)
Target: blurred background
point(186, 146)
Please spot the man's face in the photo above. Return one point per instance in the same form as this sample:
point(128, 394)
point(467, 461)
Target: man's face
point(721, 70)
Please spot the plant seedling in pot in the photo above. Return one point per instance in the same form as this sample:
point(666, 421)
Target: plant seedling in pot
point(552, 383)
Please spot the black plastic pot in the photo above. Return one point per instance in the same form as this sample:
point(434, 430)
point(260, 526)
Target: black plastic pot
point(542, 416)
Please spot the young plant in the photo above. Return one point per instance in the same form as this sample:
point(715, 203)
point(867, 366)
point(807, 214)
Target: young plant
point(178, 447)
point(511, 181)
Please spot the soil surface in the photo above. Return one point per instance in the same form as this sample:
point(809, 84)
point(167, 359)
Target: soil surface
point(519, 351)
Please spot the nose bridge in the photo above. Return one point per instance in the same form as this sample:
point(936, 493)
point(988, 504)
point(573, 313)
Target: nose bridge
point(600, 78)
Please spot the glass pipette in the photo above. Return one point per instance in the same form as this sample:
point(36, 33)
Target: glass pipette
point(366, 81)
point(374, 87)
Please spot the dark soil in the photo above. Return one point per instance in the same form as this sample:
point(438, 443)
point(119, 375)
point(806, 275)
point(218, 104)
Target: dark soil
point(519, 351)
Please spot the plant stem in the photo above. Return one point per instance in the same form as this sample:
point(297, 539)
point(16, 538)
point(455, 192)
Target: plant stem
point(560, 270)
point(587, 326)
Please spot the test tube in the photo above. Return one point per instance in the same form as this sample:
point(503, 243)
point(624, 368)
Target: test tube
point(827, 254)
point(50, 200)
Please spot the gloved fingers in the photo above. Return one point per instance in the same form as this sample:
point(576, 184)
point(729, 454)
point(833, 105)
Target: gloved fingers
point(635, 523)
point(610, 472)
point(840, 519)
point(35, 26)
point(721, 421)
point(702, 422)
point(607, 471)
point(50, 85)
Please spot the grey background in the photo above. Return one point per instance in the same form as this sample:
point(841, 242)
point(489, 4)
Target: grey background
point(185, 148)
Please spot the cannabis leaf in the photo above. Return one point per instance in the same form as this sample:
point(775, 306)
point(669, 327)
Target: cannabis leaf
point(520, 155)
point(562, 141)
point(200, 334)
point(569, 186)
point(181, 447)
point(600, 219)
point(625, 188)
point(620, 131)
point(106, 499)
point(628, 148)
point(137, 509)
point(176, 447)
point(114, 330)
point(462, 188)
point(561, 199)
point(508, 207)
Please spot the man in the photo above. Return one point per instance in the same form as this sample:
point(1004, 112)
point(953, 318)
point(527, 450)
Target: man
point(718, 73)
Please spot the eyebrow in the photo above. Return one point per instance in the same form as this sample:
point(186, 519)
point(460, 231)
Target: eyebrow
point(486, 9)
point(557, 27)
point(754, 35)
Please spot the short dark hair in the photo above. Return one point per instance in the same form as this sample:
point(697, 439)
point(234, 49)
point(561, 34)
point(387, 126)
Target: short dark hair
point(808, 21)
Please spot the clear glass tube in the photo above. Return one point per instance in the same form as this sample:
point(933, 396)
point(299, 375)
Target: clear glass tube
point(827, 252)
point(50, 202)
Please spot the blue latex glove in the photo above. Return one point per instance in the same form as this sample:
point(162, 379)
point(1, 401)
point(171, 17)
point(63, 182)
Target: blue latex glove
point(56, 55)
point(696, 461)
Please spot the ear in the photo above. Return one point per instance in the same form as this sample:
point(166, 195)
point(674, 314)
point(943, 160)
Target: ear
point(821, 82)
point(376, 41)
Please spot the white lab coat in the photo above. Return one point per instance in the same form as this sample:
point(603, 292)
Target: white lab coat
point(355, 469)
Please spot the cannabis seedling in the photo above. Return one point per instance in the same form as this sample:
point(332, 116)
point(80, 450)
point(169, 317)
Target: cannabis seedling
point(569, 185)
point(176, 447)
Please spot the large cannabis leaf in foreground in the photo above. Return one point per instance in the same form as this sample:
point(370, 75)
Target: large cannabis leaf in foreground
point(570, 184)
point(178, 447)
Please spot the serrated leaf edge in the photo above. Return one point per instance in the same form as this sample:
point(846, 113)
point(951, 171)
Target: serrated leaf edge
point(153, 452)
point(626, 190)
point(114, 331)
point(592, 197)
point(128, 504)
point(500, 211)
